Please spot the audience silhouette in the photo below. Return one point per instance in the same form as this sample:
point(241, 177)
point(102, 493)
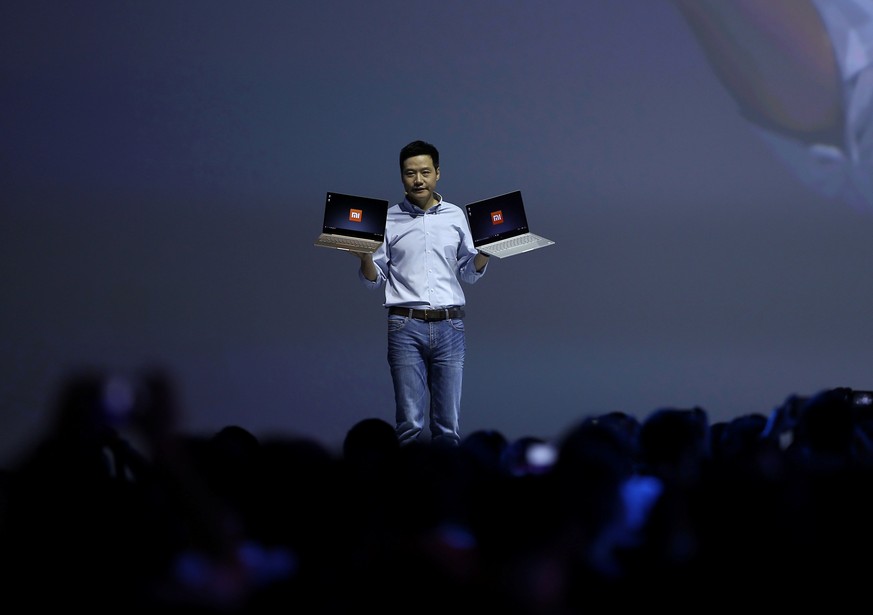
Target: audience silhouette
point(116, 508)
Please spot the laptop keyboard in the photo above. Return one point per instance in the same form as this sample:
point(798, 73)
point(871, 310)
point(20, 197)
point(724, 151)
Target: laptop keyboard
point(512, 242)
point(347, 242)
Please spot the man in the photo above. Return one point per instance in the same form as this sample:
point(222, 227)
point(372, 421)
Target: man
point(801, 71)
point(426, 254)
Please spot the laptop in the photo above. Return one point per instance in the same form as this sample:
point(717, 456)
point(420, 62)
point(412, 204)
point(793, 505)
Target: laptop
point(499, 226)
point(353, 223)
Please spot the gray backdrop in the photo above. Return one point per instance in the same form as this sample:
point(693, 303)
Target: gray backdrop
point(164, 165)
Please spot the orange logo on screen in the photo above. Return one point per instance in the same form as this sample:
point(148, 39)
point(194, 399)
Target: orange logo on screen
point(356, 215)
point(497, 217)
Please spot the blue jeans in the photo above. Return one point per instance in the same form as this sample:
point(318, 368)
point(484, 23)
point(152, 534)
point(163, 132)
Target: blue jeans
point(427, 366)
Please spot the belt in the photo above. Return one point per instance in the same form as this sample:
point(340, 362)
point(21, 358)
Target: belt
point(442, 314)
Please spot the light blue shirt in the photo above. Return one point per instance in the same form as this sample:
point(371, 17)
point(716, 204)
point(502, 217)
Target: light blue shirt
point(425, 256)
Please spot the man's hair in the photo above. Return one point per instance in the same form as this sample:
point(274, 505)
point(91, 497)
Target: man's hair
point(420, 148)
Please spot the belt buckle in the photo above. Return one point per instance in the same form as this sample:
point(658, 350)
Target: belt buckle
point(431, 315)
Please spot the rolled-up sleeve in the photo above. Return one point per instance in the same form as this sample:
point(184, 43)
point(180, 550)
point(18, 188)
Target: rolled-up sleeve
point(841, 172)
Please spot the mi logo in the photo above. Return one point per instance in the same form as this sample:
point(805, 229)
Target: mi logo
point(497, 217)
point(356, 215)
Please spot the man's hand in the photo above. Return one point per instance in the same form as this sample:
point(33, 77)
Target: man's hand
point(367, 266)
point(479, 261)
point(776, 60)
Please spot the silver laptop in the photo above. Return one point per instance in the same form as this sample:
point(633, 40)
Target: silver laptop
point(499, 226)
point(354, 223)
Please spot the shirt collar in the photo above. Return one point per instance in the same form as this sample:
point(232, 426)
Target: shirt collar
point(412, 208)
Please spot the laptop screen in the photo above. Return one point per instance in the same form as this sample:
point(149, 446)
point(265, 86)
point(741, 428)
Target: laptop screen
point(355, 216)
point(496, 218)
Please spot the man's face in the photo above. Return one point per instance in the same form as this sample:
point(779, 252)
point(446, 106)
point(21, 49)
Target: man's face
point(419, 180)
